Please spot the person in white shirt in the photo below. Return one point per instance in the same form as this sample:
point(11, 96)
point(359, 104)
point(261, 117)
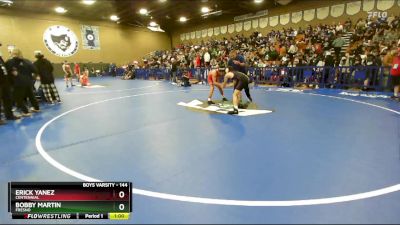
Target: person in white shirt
point(292, 50)
point(207, 58)
point(339, 27)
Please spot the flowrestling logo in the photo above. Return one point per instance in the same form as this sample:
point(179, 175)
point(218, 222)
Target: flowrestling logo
point(376, 14)
point(61, 41)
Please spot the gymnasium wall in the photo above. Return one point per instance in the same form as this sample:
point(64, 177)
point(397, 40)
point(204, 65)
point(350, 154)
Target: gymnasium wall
point(183, 35)
point(118, 44)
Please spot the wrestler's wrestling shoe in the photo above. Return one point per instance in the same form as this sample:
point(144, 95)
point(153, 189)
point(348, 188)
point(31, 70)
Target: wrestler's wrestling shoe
point(243, 105)
point(224, 99)
point(211, 103)
point(233, 112)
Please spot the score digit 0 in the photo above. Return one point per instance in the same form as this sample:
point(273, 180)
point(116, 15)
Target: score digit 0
point(121, 194)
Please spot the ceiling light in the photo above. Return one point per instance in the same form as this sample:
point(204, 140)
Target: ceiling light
point(214, 13)
point(114, 18)
point(156, 29)
point(88, 2)
point(153, 24)
point(258, 1)
point(205, 10)
point(163, 1)
point(183, 19)
point(60, 10)
point(6, 2)
point(143, 11)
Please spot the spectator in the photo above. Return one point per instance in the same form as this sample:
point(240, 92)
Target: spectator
point(5, 93)
point(45, 72)
point(339, 28)
point(174, 69)
point(282, 50)
point(329, 63)
point(292, 50)
point(207, 58)
point(113, 70)
point(237, 62)
point(347, 25)
point(21, 71)
point(395, 72)
point(308, 45)
point(338, 44)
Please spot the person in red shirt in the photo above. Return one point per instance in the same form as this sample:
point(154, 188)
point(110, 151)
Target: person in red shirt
point(197, 64)
point(213, 80)
point(77, 71)
point(318, 48)
point(395, 72)
point(84, 79)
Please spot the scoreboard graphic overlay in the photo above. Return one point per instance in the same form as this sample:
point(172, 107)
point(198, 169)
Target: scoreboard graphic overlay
point(70, 200)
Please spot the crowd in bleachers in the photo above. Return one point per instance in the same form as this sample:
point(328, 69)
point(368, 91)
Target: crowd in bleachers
point(372, 41)
point(365, 42)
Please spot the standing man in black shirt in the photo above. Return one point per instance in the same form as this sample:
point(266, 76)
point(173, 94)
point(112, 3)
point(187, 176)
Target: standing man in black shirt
point(174, 69)
point(5, 93)
point(329, 64)
point(237, 62)
point(21, 71)
point(45, 72)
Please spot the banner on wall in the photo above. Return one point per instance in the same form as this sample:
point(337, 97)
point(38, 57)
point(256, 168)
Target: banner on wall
point(61, 41)
point(263, 22)
point(284, 19)
point(384, 4)
point(247, 25)
point(216, 31)
point(273, 21)
point(254, 23)
point(297, 16)
point(224, 29)
point(204, 33)
point(337, 10)
point(210, 32)
point(198, 34)
point(323, 13)
point(368, 5)
point(187, 35)
point(193, 35)
point(309, 15)
point(353, 8)
point(239, 27)
point(182, 37)
point(231, 28)
point(90, 37)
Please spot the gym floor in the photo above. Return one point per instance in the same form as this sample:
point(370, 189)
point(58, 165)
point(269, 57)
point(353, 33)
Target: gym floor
point(320, 157)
